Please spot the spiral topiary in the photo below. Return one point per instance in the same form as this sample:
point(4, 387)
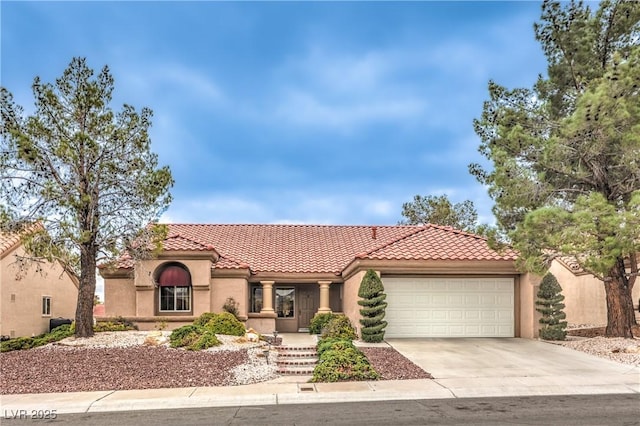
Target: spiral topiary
point(549, 304)
point(373, 305)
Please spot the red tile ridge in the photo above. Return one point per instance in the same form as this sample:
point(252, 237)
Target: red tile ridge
point(208, 247)
point(238, 263)
point(415, 229)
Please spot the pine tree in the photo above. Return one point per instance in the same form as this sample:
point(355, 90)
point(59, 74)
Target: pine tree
point(550, 305)
point(372, 297)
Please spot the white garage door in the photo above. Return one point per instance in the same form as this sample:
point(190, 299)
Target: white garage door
point(449, 307)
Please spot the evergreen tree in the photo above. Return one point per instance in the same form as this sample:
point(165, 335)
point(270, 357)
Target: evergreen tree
point(85, 173)
point(372, 297)
point(550, 305)
point(564, 153)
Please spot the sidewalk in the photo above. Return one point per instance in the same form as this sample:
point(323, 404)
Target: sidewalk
point(503, 367)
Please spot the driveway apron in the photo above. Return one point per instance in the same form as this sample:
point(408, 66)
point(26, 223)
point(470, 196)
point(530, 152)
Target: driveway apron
point(492, 366)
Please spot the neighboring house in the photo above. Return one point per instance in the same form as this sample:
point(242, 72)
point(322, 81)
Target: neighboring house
point(30, 298)
point(584, 294)
point(439, 282)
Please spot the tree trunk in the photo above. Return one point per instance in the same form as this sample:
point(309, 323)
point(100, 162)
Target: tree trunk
point(620, 314)
point(84, 308)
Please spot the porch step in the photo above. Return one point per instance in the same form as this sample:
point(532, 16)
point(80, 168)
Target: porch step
point(296, 360)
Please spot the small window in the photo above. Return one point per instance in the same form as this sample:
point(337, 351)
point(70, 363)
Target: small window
point(174, 293)
point(175, 299)
point(46, 305)
point(256, 298)
point(284, 302)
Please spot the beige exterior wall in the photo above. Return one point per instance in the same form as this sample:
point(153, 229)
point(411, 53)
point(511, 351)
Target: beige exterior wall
point(527, 287)
point(223, 288)
point(21, 296)
point(134, 295)
point(119, 297)
point(584, 296)
point(350, 305)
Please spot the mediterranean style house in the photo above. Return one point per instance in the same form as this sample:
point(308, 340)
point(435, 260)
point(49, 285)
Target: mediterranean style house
point(440, 282)
point(30, 298)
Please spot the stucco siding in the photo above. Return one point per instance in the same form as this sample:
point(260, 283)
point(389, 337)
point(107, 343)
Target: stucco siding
point(528, 285)
point(223, 288)
point(350, 305)
point(584, 296)
point(22, 294)
point(119, 297)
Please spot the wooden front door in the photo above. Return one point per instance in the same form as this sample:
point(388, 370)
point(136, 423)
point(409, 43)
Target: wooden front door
point(307, 305)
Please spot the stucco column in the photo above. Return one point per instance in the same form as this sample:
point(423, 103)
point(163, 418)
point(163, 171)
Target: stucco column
point(267, 297)
point(324, 297)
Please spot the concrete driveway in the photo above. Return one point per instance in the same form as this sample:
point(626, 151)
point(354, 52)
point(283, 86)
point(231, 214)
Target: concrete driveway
point(493, 367)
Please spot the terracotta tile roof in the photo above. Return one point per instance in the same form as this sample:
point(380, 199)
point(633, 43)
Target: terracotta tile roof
point(433, 242)
point(8, 241)
point(326, 248)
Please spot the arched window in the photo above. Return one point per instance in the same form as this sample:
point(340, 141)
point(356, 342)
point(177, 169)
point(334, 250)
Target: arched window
point(174, 295)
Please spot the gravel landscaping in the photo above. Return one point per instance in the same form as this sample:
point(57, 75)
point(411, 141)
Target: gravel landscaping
point(121, 360)
point(590, 339)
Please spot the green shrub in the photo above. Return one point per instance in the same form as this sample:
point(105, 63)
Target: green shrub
point(226, 323)
point(333, 344)
point(373, 304)
point(21, 343)
point(186, 335)
point(346, 364)
point(549, 304)
point(206, 340)
point(203, 319)
point(231, 306)
point(339, 327)
point(17, 344)
point(319, 322)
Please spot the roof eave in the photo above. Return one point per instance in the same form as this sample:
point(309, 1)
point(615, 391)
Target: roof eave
point(445, 267)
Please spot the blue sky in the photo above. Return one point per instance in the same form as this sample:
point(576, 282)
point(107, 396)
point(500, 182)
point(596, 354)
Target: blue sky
point(292, 112)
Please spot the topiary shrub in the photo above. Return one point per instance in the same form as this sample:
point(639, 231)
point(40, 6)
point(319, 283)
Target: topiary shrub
point(203, 319)
point(319, 322)
point(225, 323)
point(348, 364)
point(549, 304)
point(339, 327)
point(372, 296)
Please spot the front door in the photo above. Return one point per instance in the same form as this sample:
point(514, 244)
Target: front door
point(307, 305)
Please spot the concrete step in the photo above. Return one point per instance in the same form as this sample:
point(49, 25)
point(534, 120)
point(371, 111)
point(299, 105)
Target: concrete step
point(295, 370)
point(296, 360)
point(297, 354)
point(298, 348)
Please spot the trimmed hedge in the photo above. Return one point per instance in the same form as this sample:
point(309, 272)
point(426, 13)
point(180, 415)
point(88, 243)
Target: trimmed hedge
point(319, 322)
point(339, 360)
point(339, 327)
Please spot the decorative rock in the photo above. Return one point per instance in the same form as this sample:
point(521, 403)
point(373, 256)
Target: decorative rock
point(632, 349)
point(155, 338)
point(252, 337)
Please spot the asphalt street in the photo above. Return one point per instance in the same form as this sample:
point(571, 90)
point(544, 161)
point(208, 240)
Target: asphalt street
point(583, 410)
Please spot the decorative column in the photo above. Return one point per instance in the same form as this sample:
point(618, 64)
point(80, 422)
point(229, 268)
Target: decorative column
point(267, 297)
point(324, 297)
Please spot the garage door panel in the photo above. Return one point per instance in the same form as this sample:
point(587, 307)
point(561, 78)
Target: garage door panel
point(450, 307)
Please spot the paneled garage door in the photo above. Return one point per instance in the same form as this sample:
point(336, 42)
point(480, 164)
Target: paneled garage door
point(449, 307)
